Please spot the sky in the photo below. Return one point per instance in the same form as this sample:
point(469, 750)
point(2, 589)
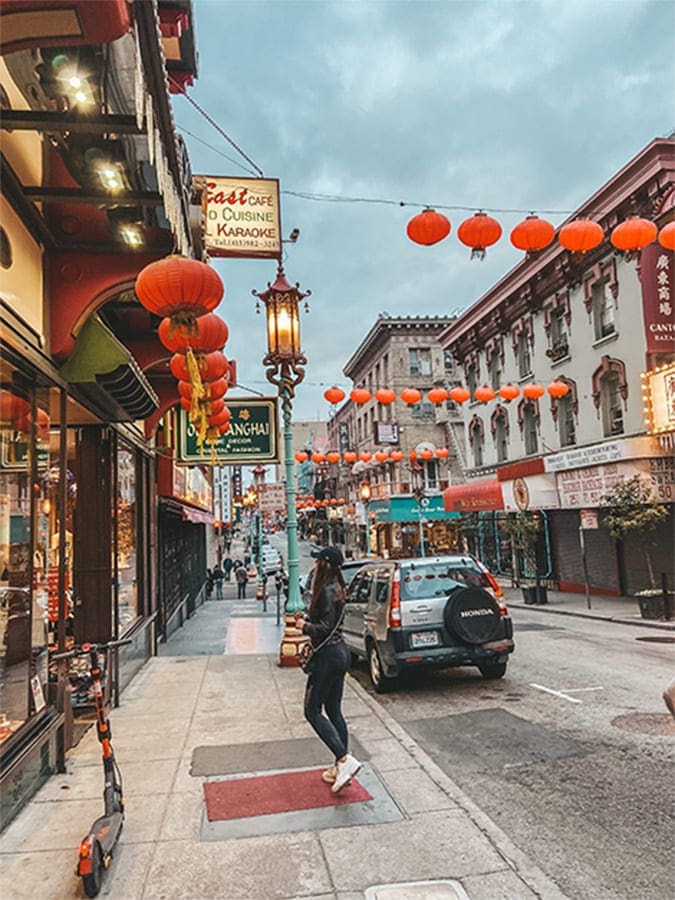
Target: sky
point(501, 105)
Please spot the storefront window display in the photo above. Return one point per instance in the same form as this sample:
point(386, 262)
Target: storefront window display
point(125, 545)
point(28, 445)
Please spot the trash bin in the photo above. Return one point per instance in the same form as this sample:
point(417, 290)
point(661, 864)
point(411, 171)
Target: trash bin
point(535, 595)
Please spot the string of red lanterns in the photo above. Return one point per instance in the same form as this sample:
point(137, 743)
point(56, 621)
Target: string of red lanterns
point(533, 234)
point(459, 394)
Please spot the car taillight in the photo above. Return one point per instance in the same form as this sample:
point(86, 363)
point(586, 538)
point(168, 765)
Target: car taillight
point(395, 604)
point(494, 584)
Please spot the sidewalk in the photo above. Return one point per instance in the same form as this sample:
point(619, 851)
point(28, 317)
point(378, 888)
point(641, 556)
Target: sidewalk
point(613, 609)
point(223, 732)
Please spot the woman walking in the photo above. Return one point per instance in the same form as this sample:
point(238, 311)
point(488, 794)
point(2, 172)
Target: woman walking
point(329, 664)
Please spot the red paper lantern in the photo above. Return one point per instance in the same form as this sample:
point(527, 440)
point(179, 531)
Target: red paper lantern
point(365, 456)
point(428, 227)
point(212, 407)
point(459, 394)
point(214, 390)
point(210, 333)
point(333, 456)
point(581, 235)
point(219, 418)
point(12, 407)
point(211, 366)
point(381, 456)
point(318, 458)
point(360, 395)
point(411, 396)
point(558, 389)
point(509, 392)
point(180, 288)
point(349, 456)
point(396, 456)
point(484, 394)
point(224, 428)
point(533, 391)
point(667, 236)
point(426, 454)
point(633, 235)
point(325, 502)
point(334, 395)
point(442, 453)
point(25, 423)
point(385, 396)
point(532, 234)
point(479, 232)
point(437, 396)
point(301, 456)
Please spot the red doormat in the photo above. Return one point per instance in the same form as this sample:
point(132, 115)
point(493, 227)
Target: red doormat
point(262, 795)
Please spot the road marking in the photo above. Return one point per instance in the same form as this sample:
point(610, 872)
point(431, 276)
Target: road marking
point(540, 687)
point(577, 690)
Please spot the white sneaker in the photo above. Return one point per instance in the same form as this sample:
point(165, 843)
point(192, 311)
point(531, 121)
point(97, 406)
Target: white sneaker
point(345, 772)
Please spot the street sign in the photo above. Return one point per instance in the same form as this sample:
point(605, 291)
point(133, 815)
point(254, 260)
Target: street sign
point(589, 519)
point(253, 436)
point(272, 497)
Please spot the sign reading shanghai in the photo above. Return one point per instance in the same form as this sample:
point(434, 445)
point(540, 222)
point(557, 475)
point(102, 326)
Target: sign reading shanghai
point(252, 438)
point(240, 216)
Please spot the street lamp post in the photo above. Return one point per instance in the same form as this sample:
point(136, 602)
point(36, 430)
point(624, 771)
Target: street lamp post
point(365, 498)
point(285, 369)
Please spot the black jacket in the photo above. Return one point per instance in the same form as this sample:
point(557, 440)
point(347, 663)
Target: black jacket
point(328, 612)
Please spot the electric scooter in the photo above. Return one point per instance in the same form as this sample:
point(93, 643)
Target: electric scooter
point(96, 849)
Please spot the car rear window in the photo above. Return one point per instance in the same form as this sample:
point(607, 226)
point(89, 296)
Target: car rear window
point(437, 579)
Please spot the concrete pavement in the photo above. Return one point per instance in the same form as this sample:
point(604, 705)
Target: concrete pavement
point(215, 706)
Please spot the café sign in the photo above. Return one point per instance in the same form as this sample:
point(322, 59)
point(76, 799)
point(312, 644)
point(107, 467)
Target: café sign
point(253, 436)
point(240, 216)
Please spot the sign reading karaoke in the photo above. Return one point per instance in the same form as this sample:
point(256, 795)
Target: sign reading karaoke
point(252, 438)
point(240, 216)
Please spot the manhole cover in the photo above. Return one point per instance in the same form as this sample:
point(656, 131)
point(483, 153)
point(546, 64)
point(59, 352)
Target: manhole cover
point(658, 639)
point(424, 890)
point(646, 723)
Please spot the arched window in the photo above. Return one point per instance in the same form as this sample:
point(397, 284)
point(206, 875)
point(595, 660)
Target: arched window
point(499, 425)
point(610, 391)
point(567, 430)
point(530, 429)
point(477, 440)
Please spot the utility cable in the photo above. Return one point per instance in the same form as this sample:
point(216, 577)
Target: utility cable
point(231, 159)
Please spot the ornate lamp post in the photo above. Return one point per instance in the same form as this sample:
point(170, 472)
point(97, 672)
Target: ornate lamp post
point(285, 369)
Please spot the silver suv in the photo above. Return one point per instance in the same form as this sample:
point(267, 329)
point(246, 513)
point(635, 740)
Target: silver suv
point(436, 612)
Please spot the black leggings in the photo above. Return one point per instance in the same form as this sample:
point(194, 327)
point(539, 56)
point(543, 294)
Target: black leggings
point(324, 690)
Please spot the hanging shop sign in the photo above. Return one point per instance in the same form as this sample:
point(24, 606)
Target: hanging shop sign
point(657, 274)
point(272, 497)
point(530, 492)
point(386, 432)
point(658, 388)
point(253, 436)
point(240, 216)
point(588, 519)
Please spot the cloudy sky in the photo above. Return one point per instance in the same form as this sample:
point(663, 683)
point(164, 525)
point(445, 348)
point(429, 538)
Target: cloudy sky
point(494, 105)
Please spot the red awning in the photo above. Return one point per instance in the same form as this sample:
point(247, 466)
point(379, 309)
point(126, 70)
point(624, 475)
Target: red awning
point(186, 512)
point(473, 496)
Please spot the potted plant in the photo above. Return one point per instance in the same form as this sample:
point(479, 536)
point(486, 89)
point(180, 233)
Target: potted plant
point(522, 531)
point(630, 508)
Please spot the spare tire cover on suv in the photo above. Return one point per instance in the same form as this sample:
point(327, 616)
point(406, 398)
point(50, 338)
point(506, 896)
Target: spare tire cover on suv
point(472, 615)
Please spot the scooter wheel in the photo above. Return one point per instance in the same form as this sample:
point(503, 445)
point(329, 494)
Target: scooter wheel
point(92, 881)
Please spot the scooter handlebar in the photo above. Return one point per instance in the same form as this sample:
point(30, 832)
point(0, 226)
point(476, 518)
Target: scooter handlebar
point(86, 648)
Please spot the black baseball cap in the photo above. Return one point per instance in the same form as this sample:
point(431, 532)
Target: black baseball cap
point(332, 555)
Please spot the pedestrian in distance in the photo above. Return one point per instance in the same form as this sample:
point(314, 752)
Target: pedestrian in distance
point(209, 584)
point(218, 578)
point(227, 567)
point(325, 684)
point(241, 576)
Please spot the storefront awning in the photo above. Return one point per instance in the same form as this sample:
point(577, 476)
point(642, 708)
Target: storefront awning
point(107, 374)
point(187, 513)
point(407, 509)
point(474, 496)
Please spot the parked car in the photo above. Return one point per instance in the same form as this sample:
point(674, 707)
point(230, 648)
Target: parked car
point(349, 569)
point(271, 560)
point(432, 612)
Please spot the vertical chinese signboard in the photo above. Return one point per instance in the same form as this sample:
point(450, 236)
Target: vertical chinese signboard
point(240, 216)
point(657, 268)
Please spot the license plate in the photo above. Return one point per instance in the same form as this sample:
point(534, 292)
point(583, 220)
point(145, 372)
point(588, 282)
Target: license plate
point(424, 639)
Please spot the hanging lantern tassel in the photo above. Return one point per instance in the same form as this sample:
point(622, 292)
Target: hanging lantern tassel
point(196, 381)
point(212, 436)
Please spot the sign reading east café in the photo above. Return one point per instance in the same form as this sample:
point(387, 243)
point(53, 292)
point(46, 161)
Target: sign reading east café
point(252, 438)
point(240, 216)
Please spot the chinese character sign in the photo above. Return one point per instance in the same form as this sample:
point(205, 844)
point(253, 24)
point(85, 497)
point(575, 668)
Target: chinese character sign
point(657, 271)
point(240, 216)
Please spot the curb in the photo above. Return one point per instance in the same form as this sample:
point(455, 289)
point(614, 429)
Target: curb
point(534, 877)
point(582, 614)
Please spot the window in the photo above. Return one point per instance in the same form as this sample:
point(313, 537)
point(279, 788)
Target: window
point(495, 370)
point(501, 441)
point(523, 354)
point(448, 362)
point(530, 429)
point(423, 410)
point(125, 555)
point(471, 379)
point(430, 474)
point(566, 425)
point(559, 348)
point(603, 311)
point(476, 441)
point(419, 361)
point(611, 405)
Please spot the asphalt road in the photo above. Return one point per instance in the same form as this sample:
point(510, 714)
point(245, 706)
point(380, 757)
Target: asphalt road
point(582, 779)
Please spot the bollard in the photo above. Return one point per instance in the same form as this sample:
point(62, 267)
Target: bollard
point(667, 598)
